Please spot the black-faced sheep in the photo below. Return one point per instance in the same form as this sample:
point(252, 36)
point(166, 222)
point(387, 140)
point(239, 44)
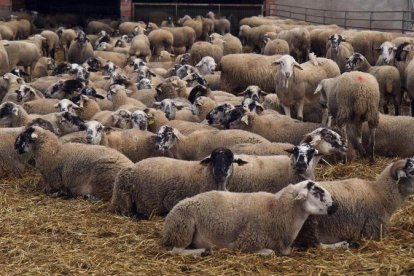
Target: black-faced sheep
point(143, 190)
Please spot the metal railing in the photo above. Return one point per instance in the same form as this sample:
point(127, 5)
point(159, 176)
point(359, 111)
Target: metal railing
point(141, 11)
point(394, 21)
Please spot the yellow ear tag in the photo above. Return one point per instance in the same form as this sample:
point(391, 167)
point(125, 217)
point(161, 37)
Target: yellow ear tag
point(245, 119)
point(150, 122)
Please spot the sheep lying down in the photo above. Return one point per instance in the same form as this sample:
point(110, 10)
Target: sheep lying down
point(260, 222)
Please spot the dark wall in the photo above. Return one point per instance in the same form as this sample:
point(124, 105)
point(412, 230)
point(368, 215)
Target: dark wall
point(204, 1)
point(84, 8)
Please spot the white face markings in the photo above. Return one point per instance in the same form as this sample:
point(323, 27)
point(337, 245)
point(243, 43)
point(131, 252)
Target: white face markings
point(317, 200)
point(139, 120)
point(94, 131)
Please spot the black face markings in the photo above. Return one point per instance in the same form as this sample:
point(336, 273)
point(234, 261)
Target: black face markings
point(221, 161)
point(43, 124)
point(233, 115)
point(75, 120)
point(409, 167)
point(319, 193)
point(399, 53)
point(310, 185)
point(197, 91)
point(6, 110)
point(24, 139)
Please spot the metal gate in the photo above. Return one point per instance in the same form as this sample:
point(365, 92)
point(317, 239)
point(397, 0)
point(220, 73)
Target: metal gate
point(156, 12)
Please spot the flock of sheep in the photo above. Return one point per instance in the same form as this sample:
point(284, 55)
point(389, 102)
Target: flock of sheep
point(213, 130)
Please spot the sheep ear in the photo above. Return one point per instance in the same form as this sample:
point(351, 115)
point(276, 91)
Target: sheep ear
point(276, 62)
point(259, 108)
point(302, 195)
point(240, 162)
point(75, 106)
point(331, 37)
point(155, 104)
point(33, 136)
point(20, 81)
point(56, 105)
point(245, 119)
point(179, 106)
point(177, 134)
point(397, 170)
point(199, 64)
point(318, 88)
point(290, 150)
point(242, 93)
point(262, 92)
point(297, 65)
point(206, 161)
point(307, 139)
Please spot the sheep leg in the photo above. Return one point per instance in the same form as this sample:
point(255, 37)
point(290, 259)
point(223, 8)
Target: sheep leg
point(286, 109)
point(265, 252)
point(300, 109)
point(372, 130)
point(354, 135)
point(325, 116)
point(385, 107)
point(342, 244)
point(396, 106)
point(187, 252)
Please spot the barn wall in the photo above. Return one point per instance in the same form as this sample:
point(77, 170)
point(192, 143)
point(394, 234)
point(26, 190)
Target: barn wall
point(5, 8)
point(332, 17)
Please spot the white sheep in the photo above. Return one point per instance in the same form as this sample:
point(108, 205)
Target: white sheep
point(294, 87)
point(262, 223)
point(351, 99)
point(72, 169)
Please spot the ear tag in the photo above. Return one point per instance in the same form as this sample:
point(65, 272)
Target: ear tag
point(245, 119)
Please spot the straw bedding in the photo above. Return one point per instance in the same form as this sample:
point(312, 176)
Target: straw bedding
point(43, 235)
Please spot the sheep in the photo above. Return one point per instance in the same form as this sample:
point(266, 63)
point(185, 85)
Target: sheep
point(94, 27)
point(294, 87)
point(299, 42)
point(4, 57)
point(165, 56)
point(142, 190)
point(128, 28)
point(156, 119)
point(208, 28)
point(105, 46)
point(66, 36)
point(183, 37)
point(339, 50)
point(119, 59)
point(140, 47)
point(63, 89)
point(365, 206)
point(275, 128)
point(237, 74)
point(88, 107)
point(72, 169)
point(160, 40)
point(206, 66)
point(232, 44)
point(260, 223)
point(262, 148)
point(181, 147)
point(80, 49)
point(388, 78)
point(44, 67)
point(351, 99)
point(390, 136)
point(119, 119)
point(254, 37)
point(409, 84)
point(133, 143)
point(26, 93)
point(195, 24)
point(168, 22)
point(10, 162)
point(22, 53)
point(202, 49)
point(365, 42)
point(50, 44)
point(66, 105)
point(275, 47)
point(253, 92)
point(117, 94)
point(221, 26)
point(169, 107)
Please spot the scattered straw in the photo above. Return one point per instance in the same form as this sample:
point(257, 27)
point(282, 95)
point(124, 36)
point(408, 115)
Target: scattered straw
point(42, 235)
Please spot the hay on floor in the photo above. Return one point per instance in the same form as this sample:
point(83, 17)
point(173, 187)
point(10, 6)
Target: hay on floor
point(43, 235)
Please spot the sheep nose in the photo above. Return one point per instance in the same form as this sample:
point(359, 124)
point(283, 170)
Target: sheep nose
point(333, 208)
point(287, 74)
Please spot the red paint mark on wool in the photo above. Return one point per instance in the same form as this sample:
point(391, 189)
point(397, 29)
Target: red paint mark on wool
point(360, 78)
